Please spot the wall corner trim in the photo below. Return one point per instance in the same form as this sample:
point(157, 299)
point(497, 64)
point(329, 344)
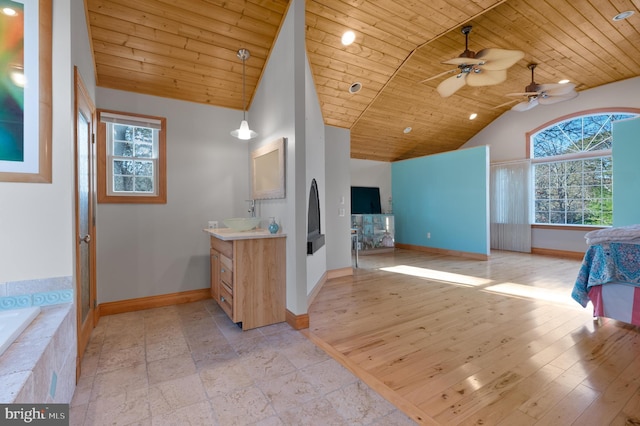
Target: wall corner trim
point(342, 272)
point(297, 322)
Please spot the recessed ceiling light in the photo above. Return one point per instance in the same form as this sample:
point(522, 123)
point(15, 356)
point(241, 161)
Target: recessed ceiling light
point(348, 37)
point(9, 12)
point(355, 87)
point(623, 15)
point(473, 116)
point(407, 130)
point(565, 81)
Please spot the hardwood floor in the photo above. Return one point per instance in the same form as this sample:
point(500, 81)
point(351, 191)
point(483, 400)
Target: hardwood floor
point(456, 341)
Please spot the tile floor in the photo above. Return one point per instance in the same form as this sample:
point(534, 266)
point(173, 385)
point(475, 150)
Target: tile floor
point(190, 365)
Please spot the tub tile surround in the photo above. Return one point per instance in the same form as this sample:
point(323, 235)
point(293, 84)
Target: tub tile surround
point(39, 366)
point(45, 348)
point(189, 364)
point(40, 292)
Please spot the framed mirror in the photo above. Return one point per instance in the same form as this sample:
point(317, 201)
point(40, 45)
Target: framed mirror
point(268, 170)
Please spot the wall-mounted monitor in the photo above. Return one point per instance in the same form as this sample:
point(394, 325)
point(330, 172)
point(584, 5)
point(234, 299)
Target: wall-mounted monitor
point(365, 200)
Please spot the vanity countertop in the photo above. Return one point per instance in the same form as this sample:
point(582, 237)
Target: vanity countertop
point(227, 234)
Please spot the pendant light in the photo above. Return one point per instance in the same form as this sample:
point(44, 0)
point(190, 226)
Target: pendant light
point(244, 132)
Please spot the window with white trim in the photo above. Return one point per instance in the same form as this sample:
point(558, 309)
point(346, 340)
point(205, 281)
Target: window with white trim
point(573, 169)
point(131, 158)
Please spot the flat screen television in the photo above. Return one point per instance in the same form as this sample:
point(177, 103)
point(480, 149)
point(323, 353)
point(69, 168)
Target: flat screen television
point(365, 200)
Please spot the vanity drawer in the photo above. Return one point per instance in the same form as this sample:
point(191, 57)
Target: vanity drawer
point(226, 270)
point(226, 300)
point(224, 247)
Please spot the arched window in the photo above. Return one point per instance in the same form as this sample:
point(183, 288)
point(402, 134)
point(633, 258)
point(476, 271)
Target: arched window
point(572, 169)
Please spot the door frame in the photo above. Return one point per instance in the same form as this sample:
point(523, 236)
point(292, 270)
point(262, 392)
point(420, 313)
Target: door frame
point(84, 103)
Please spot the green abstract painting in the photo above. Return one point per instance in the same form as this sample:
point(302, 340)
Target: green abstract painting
point(12, 81)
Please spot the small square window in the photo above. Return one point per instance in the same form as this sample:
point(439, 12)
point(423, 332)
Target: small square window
point(131, 158)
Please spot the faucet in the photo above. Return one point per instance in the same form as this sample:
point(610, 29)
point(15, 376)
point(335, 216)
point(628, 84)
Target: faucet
point(252, 209)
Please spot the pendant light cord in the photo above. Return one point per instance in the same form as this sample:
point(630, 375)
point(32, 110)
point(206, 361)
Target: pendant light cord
point(244, 132)
point(244, 112)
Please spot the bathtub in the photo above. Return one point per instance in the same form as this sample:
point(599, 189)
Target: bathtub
point(13, 322)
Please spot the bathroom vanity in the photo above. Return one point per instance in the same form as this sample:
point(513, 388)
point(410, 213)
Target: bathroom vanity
point(248, 275)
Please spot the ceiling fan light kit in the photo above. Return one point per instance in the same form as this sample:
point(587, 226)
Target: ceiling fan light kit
point(243, 132)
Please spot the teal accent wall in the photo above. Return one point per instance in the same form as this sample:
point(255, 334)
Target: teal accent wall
point(446, 195)
point(626, 172)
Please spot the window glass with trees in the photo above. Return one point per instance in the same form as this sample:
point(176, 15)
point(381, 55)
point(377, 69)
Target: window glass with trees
point(572, 170)
point(131, 158)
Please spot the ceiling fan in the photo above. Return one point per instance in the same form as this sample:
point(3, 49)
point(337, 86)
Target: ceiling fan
point(485, 68)
point(543, 94)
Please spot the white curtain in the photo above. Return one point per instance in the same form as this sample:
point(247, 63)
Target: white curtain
point(510, 225)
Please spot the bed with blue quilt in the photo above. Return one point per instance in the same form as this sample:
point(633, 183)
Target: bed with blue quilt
point(609, 276)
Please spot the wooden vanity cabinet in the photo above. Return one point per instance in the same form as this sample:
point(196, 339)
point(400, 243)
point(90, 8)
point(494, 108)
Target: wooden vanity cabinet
point(215, 277)
point(226, 289)
point(248, 279)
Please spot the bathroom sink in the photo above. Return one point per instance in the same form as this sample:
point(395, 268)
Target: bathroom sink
point(242, 223)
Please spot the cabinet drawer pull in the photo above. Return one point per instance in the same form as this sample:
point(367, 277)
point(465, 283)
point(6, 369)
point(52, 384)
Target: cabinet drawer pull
point(222, 270)
point(222, 299)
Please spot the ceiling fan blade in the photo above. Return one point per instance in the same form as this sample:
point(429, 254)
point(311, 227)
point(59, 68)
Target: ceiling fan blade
point(461, 60)
point(440, 75)
point(557, 89)
point(505, 104)
point(555, 99)
point(523, 94)
point(451, 85)
point(499, 59)
point(486, 77)
point(525, 106)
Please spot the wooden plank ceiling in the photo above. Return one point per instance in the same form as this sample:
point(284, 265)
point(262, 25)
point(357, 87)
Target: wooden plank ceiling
point(186, 49)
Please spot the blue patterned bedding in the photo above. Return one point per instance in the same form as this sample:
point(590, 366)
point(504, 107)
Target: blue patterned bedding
point(605, 263)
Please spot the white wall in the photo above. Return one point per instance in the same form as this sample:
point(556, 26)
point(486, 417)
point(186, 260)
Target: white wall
point(272, 115)
point(36, 219)
point(277, 111)
point(315, 169)
point(147, 250)
point(286, 104)
point(338, 182)
point(374, 174)
point(507, 138)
